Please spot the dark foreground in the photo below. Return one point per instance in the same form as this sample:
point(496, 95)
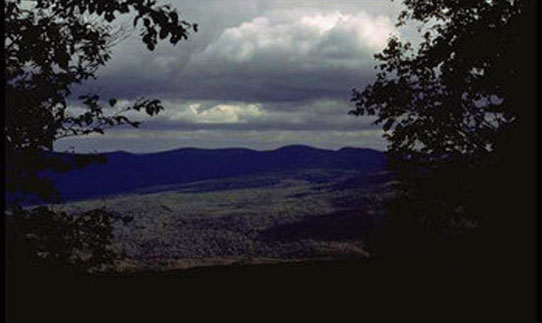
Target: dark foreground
point(331, 291)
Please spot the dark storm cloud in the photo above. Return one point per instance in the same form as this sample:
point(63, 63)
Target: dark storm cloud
point(322, 115)
point(265, 51)
point(256, 67)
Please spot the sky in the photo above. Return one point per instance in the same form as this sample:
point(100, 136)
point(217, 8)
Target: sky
point(259, 74)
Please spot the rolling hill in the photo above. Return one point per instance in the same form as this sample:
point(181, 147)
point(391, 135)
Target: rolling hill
point(126, 172)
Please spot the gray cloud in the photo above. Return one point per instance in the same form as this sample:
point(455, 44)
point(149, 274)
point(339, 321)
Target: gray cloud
point(255, 67)
point(323, 114)
point(278, 55)
point(214, 124)
point(144, 141)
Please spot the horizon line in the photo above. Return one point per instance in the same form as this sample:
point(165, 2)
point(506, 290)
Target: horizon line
point(217, 148)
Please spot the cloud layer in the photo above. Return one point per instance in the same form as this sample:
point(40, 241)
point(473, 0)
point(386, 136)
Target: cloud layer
point(307, 42)
point(256, 68)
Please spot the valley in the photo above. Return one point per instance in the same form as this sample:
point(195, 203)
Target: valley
point(270, 217)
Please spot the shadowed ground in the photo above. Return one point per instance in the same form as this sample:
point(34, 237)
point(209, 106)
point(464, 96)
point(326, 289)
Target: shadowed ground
point(289, 216)
point(337, 291)
point(419, 280)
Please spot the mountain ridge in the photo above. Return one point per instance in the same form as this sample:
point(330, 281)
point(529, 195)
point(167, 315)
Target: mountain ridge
point(189, 148)
point(125, 172)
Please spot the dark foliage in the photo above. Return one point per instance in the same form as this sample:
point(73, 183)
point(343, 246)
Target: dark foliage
point(457, 110)
point(51, 239)
point(52, 45)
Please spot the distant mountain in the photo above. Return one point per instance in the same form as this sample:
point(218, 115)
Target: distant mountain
point(125, 172)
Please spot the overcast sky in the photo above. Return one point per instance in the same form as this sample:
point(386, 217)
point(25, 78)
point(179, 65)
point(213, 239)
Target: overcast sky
point(259, 74)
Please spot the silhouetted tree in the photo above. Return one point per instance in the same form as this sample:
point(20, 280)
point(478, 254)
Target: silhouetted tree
point(54, 238)
point(457, 108)
point(50, 46)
